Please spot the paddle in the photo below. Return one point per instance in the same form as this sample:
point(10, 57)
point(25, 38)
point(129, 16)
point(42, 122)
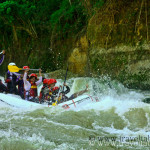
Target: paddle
point(65, 77)
point(16, 69)
point(57, 97)
point(2, 52)
point(54, 104)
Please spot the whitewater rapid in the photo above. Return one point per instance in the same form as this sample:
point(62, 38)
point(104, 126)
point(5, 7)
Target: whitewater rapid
point(119, 113)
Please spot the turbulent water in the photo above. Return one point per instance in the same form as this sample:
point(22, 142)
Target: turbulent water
point(118, 121)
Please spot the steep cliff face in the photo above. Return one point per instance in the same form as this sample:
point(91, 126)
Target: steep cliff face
point(117, 43)
point(78, 60)
point(119, 22)
point(130, 65)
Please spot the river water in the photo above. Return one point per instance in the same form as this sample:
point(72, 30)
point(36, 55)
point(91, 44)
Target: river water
point(120, 120)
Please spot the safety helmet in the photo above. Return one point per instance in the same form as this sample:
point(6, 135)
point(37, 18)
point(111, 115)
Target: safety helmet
point(26, 67)
point(51, 81)
point(12, 64)
point(33, 75)
point(45, 81)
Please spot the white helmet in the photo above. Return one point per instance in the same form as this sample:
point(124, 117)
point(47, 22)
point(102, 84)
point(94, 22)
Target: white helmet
point(12, 64)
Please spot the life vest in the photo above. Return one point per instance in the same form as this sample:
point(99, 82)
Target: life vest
point(33, 89)
point(32, 92)
point(45, 93)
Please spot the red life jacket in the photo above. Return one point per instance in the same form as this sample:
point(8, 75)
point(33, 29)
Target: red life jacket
point(33, 89)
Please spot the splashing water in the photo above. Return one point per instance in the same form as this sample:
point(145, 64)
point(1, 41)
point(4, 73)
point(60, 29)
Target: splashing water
point(119, 120)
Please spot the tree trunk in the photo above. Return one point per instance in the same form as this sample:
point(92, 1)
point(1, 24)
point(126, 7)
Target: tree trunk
point(15, 34)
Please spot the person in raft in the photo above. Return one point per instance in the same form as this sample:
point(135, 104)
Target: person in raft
point(44, 93)
point(2, 57)
point(20, 83)
point(11, 79)
point(3, 88)
point(30, 87)
point(62, 95)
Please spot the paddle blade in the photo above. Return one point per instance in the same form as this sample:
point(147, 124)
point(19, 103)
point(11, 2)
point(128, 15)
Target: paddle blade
point(14, 68)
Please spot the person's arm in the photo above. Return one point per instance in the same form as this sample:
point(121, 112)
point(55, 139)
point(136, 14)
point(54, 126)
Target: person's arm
point(39, 81)
point(2, 58)
point(40, 72)
point(16, 74)
point(67, 89)
point(27, 84)
point(40, 78)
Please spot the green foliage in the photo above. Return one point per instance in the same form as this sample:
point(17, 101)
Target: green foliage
point(69, 18)
point(12, 11)
point(50, 20)
point(98, 3)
